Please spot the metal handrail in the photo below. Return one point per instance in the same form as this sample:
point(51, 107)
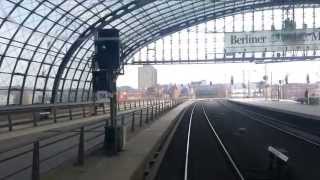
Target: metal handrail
point(33, 115)
point(144, 115)
point(106, 118)
point(37, 107)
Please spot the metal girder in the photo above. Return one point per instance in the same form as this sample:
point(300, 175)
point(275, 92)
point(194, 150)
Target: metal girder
point(210, 16)
point(257, 60)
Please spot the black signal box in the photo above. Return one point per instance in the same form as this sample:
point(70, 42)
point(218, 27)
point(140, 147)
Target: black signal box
point(107, 47)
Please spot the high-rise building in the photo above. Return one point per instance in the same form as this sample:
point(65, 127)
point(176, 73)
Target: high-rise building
point(147, 77)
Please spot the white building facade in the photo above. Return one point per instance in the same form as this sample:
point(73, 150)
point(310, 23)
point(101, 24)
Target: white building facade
point(147, 77)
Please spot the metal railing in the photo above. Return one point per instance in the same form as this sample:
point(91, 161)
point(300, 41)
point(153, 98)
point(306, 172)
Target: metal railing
point(30, 159)
point(19, 117)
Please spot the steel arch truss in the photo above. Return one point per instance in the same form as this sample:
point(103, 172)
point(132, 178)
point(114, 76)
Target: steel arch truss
point(46, 46)
point(204, 43)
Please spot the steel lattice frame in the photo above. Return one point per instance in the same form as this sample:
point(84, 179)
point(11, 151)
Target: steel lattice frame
point(204, 37)
point(46, 45)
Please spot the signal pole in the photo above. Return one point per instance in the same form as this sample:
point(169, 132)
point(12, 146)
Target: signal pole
point(266, 81)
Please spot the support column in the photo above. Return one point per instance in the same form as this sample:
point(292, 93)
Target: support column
point(106, 65)
point(113, 102)
point(112, 131)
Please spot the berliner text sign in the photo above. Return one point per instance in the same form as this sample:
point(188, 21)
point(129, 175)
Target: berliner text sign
point(269, 41)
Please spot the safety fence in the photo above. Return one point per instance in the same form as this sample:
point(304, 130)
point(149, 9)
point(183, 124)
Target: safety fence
point(30, 159)
point(19, 117)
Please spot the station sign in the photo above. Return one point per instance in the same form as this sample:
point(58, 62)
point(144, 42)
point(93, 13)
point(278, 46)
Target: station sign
point(272, 41)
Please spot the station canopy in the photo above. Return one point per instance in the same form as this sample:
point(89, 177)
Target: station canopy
point(46, 46)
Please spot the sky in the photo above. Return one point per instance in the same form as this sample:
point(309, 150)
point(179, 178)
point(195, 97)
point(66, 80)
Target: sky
point(221, 73)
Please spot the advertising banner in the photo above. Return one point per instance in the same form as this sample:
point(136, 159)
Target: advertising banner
point(272, 41)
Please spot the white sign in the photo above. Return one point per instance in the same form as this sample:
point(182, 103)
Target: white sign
point(278, 154)
point(272, 41)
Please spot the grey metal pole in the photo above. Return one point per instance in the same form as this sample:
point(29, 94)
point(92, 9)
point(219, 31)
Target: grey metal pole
point(113, 102)
point(141, 114)
point(81, 147)
point(36, 161)
point(133, 121)
point(122, 120)
point(10, 122)
point(152, 113)
point(111, 133)
point(156, 109)
point(147, 115)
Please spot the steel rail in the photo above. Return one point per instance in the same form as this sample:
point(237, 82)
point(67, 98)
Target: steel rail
point(288, 131)
point(232, 162)
point(188, 145)
point(284, 123)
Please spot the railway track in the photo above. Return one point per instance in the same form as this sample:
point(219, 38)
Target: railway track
point(221, 140)
point(310, 136)
point(224, 149)
point(197, 152)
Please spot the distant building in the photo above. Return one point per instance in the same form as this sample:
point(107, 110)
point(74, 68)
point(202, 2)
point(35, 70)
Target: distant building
point(198, 83)
point(251, 89)
point(212, 91)
point(295, 90)
point(147, 77)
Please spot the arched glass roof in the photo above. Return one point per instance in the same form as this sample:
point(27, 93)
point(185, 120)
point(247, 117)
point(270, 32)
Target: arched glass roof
point(46, 46)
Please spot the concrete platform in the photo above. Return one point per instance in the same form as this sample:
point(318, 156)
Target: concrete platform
point(130, 163)
point(286, 106)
